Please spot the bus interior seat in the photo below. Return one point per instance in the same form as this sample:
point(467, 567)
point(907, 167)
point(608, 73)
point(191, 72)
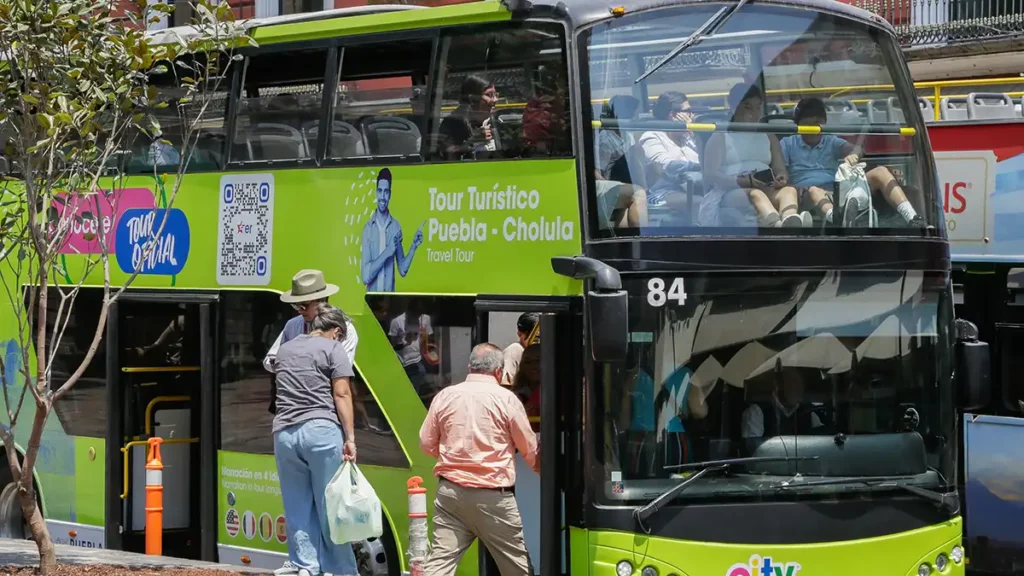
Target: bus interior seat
point(953, 108)
point(1018, 107)
point(271, 141)
point(509, 130)
point(885, 111)
point(781, 118)
point(839, 111)
point(392, 136)
point(637, 166)
point(346, 141)
point(985, 105)
point(927, 110)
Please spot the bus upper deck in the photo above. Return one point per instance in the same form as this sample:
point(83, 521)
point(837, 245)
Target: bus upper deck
point(420, 112)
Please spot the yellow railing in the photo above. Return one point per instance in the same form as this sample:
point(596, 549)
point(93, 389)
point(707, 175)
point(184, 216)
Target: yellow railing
point(134, 443)
point(935, 87)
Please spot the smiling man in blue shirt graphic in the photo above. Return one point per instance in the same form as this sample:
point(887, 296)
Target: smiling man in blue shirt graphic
point(382, 242)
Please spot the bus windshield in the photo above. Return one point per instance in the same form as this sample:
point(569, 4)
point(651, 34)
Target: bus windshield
point(846, 374)
point(708, 142)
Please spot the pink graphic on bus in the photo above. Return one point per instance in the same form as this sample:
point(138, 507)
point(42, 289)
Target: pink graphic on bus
point(106, 209)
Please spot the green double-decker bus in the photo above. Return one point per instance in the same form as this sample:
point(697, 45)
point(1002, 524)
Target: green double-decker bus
point(717, 397)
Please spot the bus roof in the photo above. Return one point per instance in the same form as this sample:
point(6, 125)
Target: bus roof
point(387, 17)
point(583, 12)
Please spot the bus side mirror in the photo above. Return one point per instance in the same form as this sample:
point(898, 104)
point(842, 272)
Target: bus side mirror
point(607, 305)
point(608, 318)
point(973, 368)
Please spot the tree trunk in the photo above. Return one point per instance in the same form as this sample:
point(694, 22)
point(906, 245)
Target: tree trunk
point(29, 506)
point(37, 526)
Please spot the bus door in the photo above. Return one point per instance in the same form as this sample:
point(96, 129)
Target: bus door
point(159, 351)
point(549, 381)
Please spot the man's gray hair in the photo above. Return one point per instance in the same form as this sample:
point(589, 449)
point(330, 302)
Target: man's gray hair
point(328, 317)
point(485, 359)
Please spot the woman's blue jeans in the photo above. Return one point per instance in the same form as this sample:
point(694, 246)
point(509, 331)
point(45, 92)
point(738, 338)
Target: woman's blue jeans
point(308, 455)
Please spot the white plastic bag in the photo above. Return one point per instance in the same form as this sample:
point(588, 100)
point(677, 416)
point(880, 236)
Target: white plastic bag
point(851, 182)
point(353, 509)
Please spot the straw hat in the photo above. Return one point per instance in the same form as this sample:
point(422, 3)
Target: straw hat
point(308, 285)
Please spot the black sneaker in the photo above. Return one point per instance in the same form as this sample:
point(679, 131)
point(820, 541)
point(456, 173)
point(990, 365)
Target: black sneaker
point(916, 222)
point(850, 212)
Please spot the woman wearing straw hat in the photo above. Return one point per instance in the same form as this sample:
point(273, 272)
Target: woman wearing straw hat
point(308, 290)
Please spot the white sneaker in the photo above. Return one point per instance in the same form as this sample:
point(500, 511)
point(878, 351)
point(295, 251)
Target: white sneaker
point(796, 220)
point(288, 569)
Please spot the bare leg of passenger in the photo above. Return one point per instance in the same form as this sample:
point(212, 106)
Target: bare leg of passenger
point(881, 180)
point(637, 215)
point(630, 207)
point(767, 216)
point(821, 202)
point(786, 199)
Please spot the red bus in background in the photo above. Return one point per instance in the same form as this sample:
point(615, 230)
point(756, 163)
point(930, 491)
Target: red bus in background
point(981, 174)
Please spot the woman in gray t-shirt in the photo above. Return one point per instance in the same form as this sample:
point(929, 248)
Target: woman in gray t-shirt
point(313, 434)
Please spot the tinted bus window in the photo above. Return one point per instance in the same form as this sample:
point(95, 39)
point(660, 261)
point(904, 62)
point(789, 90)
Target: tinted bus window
point(706, 142)
point(279, 106)
point(162, 151)
point(83, 410)
point(250, 323)
point(504, 94)
point(380, 105)
point(432, 338)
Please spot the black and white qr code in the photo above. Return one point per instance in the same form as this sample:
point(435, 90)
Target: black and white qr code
point(246, 229)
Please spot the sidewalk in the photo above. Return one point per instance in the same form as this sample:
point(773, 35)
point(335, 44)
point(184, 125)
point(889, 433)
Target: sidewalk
point(16, 553)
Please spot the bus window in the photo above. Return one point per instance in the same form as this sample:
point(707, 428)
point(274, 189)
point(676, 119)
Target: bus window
point(251, 322)
point(431, 336)
point(774, 366)
point(380, 104)
point(83, 411)
point(280, 103)
point(503, 95)
point(162, 151)
point(707, 138)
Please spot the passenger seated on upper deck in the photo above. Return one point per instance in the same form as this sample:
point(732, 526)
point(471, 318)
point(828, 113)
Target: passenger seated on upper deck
point(670, 158)
point(730, 161)
point(467, 130)
point(619, 201)
point(545, 130)
point(812, 161)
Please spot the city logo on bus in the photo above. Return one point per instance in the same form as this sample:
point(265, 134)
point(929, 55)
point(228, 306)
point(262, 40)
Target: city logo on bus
point(766, 566)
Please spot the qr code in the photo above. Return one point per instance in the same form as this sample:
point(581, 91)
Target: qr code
point(245, 237)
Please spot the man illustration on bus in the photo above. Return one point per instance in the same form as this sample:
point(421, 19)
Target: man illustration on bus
point(382, 242)
point(812, 161)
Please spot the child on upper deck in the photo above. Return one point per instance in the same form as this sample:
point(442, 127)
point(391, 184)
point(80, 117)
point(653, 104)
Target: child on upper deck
point(812, 161)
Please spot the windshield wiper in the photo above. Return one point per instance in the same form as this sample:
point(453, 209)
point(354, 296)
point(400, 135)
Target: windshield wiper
point(948, 501)
point(706, 29)
point(651, 508)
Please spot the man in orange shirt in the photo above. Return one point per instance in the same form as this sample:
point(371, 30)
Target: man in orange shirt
point(474, 429)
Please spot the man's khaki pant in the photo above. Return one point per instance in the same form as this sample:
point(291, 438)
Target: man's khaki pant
point(461, 515)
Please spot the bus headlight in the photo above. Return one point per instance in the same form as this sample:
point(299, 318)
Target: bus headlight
point(623, 568)
point(941, 562)
point(649, 571)
point(924, 570)
point(957, 554)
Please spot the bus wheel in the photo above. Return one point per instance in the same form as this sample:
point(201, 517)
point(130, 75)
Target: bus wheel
point(12, 518)
point(377, 556)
